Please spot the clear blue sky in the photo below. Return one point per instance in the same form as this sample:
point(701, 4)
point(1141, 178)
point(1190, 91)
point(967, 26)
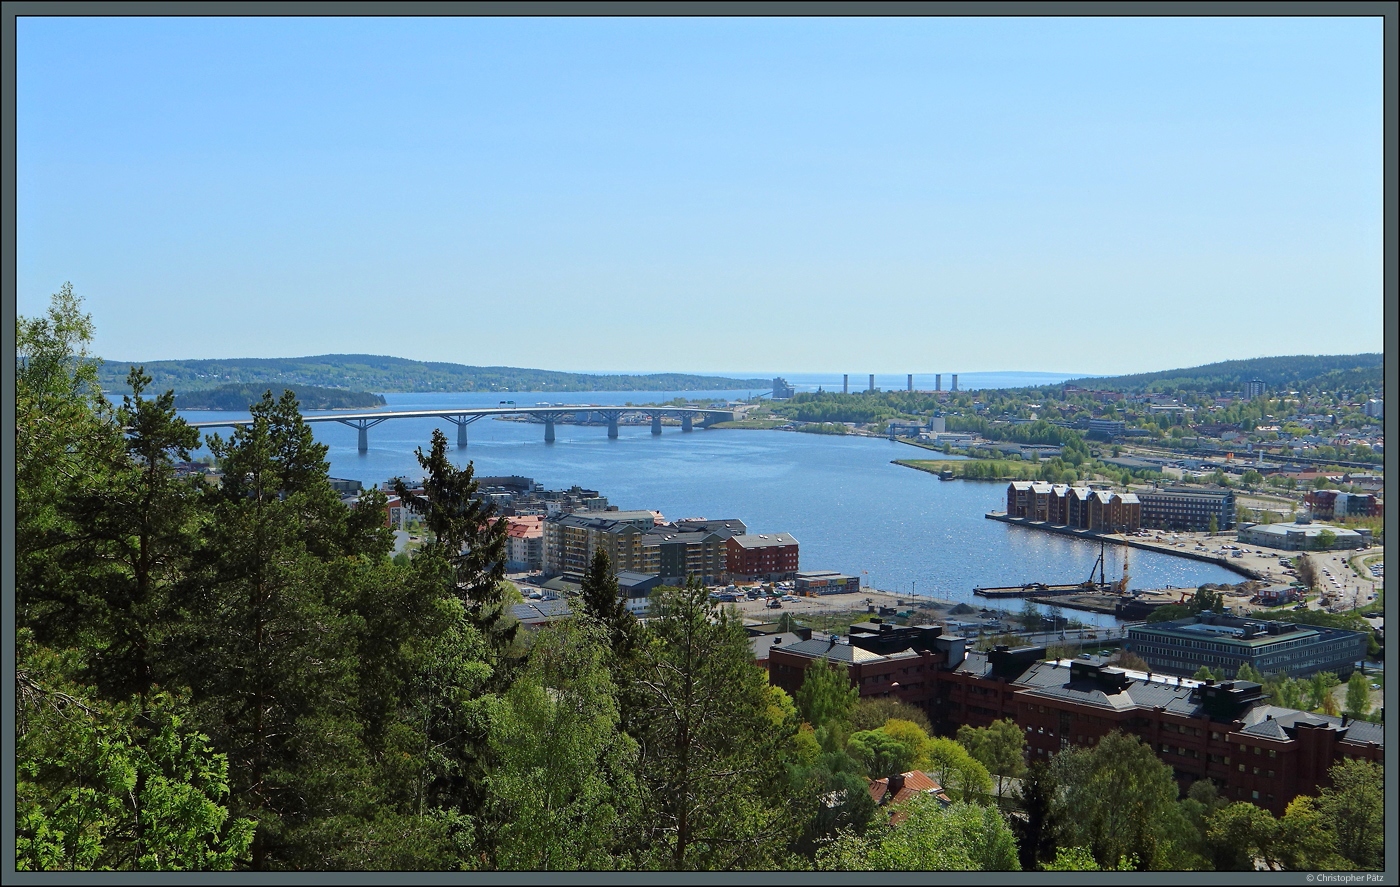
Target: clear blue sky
point(777, 195)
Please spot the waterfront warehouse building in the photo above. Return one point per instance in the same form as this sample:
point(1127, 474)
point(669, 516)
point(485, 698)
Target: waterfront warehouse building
point(1303, 537)
point(1225, 643)
point(1078, 507)
point(1186, 508)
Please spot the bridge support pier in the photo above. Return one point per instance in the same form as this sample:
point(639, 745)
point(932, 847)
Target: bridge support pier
point(549, 429)
point(686, 424)
point(611, 416)
point(363, 426)
point(461, 421)
point(655, 423)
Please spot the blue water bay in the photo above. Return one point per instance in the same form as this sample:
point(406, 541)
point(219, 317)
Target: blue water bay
point(899, 529)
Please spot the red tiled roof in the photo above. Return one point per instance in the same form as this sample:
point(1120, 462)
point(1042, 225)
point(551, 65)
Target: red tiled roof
point(916, 782)
point(525, 526)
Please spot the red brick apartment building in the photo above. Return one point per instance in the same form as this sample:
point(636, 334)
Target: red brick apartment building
point(1227, 732)
point(762, 556)
point(1330, 504)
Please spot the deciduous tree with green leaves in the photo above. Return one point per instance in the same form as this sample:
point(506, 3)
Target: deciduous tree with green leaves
point(1238, 834)
point(880, 753)
point(1358, 696)
point(960, 774)
point(711, 743)
point(562, 775)
point(95, 790)
point(999, 747)
point(928, 837)
point(1120, 801)
point(827, 701)
point(1354, 805)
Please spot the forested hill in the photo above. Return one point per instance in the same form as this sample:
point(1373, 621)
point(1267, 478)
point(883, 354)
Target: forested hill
point(238, 396)
point(1299, 371)
point(367, 372)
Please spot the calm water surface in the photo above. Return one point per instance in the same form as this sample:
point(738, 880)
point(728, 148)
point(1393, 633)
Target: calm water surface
point(900, 530)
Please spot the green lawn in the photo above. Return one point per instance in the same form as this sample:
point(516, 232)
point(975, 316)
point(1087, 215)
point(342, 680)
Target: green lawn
point(931, 465)
point(934, 466)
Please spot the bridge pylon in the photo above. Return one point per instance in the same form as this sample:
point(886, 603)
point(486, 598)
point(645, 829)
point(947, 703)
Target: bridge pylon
point(461, 420)
point(611, 416)
point(363, 425)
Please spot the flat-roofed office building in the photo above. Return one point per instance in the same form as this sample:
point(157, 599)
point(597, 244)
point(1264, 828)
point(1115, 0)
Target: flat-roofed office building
point(1225, 643)
point(1179, 508)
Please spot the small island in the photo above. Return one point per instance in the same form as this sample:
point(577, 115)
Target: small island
point(239, 396)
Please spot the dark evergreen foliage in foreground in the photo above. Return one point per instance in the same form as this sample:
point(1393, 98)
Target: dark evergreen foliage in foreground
point(371, 372)
point(238, 676)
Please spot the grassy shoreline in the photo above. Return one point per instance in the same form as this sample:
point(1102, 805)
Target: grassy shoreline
point(934, 466)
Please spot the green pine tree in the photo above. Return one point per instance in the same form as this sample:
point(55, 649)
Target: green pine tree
point(711, 742)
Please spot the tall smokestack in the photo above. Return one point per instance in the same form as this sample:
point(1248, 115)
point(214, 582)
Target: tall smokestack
point(845, 383)
point(955, 382)
point(872, 381)
point(911, 381)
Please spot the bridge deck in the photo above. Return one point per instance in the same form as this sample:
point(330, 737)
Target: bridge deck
point(555, 411)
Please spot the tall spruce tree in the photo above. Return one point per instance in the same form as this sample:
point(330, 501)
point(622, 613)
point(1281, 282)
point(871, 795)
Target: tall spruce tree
point(268, 643)
point(468, 545)
point(603, 601)
point(145, 519)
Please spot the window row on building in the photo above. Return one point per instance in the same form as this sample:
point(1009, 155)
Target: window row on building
point(711, 550)
point(1227, 732)
point(1078, 507)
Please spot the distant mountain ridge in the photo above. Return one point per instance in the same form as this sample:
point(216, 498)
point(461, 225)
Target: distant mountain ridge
point(369, 372)
point(1298, 371)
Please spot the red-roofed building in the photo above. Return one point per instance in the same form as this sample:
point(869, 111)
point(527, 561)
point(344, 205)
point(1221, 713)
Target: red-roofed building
point(525, 542)
point(897, 790)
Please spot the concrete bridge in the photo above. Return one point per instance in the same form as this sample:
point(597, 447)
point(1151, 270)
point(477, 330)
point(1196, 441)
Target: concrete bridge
point(464, 417)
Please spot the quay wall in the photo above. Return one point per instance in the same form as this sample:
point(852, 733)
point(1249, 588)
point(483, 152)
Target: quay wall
point(1095, 536)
